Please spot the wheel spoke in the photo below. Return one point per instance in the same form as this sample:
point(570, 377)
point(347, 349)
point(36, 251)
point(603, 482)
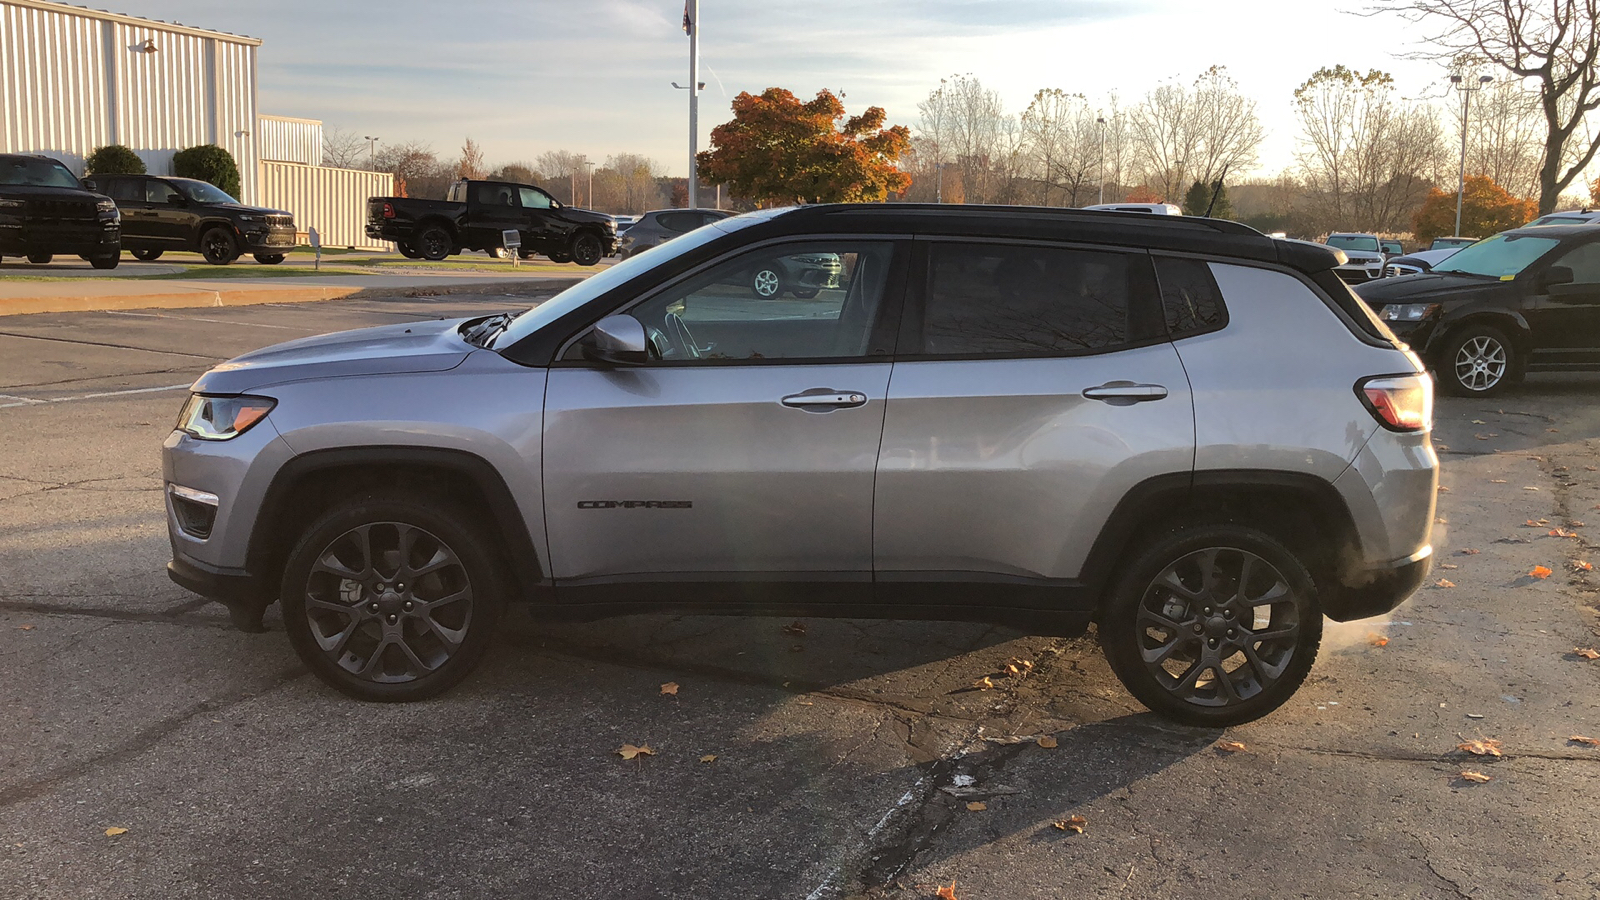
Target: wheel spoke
point(1265, 673)
point(1160, 621)
point(1163, 653)
point(1172, 582)
point(334, 645)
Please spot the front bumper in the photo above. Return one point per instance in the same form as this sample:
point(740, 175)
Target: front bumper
point(276, 239)
point(87, 240)
point(1360, 274)
point(242, 594)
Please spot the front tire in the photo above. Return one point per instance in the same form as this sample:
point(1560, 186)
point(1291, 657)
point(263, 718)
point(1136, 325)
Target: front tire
point(146, 255)
point(269, 259)
point(1213, 625)
point(587, 250)
point(218, 247)
point(106, 262)
point(435, 244)
point(40, 259)
point(1476, 361)
point(392, 598)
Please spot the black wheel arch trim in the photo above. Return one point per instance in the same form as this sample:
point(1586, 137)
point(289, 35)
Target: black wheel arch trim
point(266, 550)
point(1510, 321)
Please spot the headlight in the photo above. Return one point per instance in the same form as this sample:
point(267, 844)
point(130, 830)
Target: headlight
point(1407, 312)
point(109, 206)
point(222, 418)
point(243, 218)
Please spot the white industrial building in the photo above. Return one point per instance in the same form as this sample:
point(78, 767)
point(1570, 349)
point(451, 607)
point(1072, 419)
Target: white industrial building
point(74, 79)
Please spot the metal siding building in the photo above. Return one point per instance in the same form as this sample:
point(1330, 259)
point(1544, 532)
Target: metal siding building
point(333, 201)
point(282, 139)
point(74, 79)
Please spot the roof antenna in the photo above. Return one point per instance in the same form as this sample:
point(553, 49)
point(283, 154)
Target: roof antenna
point(1216, 188)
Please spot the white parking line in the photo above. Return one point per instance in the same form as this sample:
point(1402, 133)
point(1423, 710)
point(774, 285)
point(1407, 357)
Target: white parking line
point(29, 401)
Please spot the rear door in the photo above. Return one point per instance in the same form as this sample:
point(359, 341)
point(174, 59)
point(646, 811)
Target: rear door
point(492, 208)
point(1033, 387)
point(744, 452)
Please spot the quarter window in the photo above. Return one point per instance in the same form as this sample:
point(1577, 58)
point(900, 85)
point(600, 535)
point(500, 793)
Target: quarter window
point(999, 300)
point(1189, 296)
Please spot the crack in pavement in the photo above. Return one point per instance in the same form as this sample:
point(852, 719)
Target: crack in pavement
point(145, 739)
point(1427, 859)
point(61, 340)
point(168, 616)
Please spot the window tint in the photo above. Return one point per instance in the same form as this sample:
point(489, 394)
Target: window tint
point(487, 194)
point(1584, 261)
point(997, 300)
point(534, 199)
point(815, 300)
point(160, 191)
point(1190, 296)
point(680, 221)
point(123, 190)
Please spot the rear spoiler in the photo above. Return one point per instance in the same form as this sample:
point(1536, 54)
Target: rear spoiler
point(1309, 258)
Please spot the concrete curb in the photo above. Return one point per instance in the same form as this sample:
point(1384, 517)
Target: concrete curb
point(75, 298)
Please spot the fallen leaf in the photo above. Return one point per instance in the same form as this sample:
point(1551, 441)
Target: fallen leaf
point(629, 751)
point(1540, 572)
point(1478, 422)
point(1231, 746)
point(1018, 666)
point(113, 831)
point(1378, 640)
point(1497, 481)
point(1591, 469)
point(1475, 777)
point(947, 893)
point(24, 627)
point(1071, 823)
point(1583, 565)
point(1448, 566)
point(1530, 488)
point(795, 627)
point(977, 805)
point(1481, 747)
point(1469, 552)
point(1046, 741)
point(983, 684)
point(1580, 739)
point(1441, 520)
point(1553, 430)
point(1536, 523)
point(709, 758)
point(670, 687)
point(1562, 532)
point(1443, 489)
point(1587, 652)
point(1444, 583)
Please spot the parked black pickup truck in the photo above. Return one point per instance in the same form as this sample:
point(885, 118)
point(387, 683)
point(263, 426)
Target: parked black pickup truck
point(477, 213)
point(45, 210)
point(161, 214)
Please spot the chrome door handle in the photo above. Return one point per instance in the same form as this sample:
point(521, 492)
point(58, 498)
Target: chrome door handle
point(1125, 393)
point(823, 399)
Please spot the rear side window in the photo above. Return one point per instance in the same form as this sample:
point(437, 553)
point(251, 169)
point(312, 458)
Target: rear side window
point(487, 194)
point(1001, 300)
point(680, 221)
point(1190, 297)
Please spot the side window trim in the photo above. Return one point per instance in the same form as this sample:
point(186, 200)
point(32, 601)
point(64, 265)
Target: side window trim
point(881, 345)
point(1144, 292)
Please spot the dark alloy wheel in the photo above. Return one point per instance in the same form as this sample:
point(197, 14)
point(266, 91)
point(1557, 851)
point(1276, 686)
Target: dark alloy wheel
point(559, 256)
point(108, 261)
point(393, 599)
point(406, 250)
point(147, 255)
point(269, 259)
point(218, 247)
point(40, 259)
point(1213, 625)
point(435, 243)
point(587, 250)
point(766, 282)
point(1476, 361)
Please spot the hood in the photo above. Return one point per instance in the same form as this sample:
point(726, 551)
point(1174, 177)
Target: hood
point(250, 210)
point(578, 214)
point(388, 349)
point(48, 192)
point(1429, 287)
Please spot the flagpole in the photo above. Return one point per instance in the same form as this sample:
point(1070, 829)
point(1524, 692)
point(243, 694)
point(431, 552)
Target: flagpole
point(691, 21)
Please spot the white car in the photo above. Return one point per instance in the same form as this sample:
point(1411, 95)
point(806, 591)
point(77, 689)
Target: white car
point(1365, 255)
point(1160, 209)
point(1570, 217)
point(1417, 263)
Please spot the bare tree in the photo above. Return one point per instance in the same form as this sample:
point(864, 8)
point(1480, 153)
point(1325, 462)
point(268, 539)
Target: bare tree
point(1194, 133)
point(343, 149)
point(519, 172)
point(963, 125)
point(564, 169)
point(634, 177)
point(1554, 44)
point(417, 171)
point(471, 164)
point(1062, 147)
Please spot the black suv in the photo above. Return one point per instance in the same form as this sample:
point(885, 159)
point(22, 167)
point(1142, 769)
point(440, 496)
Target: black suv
point(45, 210)
point(161, 214)
point(1526, 300)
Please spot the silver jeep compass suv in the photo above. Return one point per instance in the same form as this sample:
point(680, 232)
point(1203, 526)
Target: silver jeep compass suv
point(1180, 429)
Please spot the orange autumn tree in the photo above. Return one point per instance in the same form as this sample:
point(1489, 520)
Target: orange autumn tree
point(777, 150)
point(1486, 208)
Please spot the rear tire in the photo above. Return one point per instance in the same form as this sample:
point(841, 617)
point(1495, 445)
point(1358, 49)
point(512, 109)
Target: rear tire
point(435, 243)
point(41, 259)
point(1476, 361)
point(766, 282)
point(218, 246)
point(1193, 644)
point(146, 255)
point(269, 259)
point(393, 598)
point(406, 250)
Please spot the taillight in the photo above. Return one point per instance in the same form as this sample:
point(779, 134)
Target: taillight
point(1399, 402)
point(388, 210)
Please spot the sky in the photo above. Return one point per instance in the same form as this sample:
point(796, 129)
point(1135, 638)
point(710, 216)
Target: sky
point(522, 77)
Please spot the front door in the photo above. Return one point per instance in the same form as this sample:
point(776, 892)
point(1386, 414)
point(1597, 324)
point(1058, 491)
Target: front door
point(1565, 318)
point(172, 222)
point(744, 451)
point(492, 211)
point(1033, 387)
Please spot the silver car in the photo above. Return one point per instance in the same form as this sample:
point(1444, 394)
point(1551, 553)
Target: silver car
point(1182, 430)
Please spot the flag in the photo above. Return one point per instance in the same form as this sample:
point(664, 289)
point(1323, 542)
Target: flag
point(688, 26)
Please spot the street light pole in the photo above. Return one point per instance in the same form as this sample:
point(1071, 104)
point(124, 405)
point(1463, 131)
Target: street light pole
point(691, 21)
point(590, 166)
point(1466, 90)
point(372, 152)
point(1102, 122)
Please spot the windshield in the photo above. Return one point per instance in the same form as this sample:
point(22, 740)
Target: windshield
point(595, 285)
point(1502, 256)
point(200, 192)
point(1353, 242)
point(40, 172)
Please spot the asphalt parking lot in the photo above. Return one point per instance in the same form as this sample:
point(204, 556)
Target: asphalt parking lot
point(809, 759)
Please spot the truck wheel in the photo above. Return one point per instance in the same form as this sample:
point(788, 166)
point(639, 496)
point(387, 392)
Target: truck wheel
point(218, 247)
point(269, 259)
point(1476, 361)
point(498, 253)
point(147, 255)
point(587, 249)
point(435, 243)
point(106, 262)
point(40, 259)
point(393, 597)
point(525, 254)
point(1213, 625)
point(406, 250)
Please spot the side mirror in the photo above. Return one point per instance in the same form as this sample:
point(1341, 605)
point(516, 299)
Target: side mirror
point(176, 200)
point(1556, 275)
point(618, 340)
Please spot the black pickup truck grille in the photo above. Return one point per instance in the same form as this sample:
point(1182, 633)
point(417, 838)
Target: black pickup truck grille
point(47, 211)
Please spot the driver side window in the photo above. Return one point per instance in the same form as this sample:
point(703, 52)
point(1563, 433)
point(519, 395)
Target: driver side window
point(812, 300)
point(1584, 261)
